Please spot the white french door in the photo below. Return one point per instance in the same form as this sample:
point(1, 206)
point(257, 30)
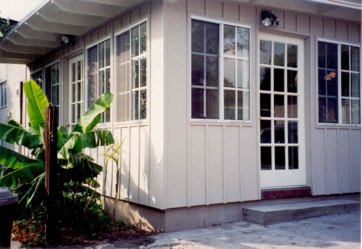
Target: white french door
point(281, 122)
point(76, 89)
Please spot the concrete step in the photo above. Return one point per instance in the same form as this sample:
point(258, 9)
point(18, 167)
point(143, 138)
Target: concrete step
point(272, 213)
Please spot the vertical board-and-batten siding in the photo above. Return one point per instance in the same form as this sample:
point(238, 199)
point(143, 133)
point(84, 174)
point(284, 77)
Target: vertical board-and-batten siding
point(217, 162)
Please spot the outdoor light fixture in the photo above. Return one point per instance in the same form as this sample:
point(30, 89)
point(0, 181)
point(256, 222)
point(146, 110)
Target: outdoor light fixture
point(64, 40)
point(268, 18)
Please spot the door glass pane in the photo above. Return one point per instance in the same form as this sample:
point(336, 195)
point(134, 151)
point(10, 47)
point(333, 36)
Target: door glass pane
point(265, 78)
point(279, 106)
point(279, 52)
point(265, 105)
point(212, 104)
point(292, 132)
point(265, 52)
point(279, 132)
point(229, 40)
point(229, 104)
point(292, 81)
point(279, 80)
point(292, 55)
point(212, 71)
point(243, 42)
point(292, 107)
point(243, 105)
point(197, 103)
point(279, 157)
point(243, 74)
point(293, 157)
point(265, 131)
point(229, 72)
point(265, 153)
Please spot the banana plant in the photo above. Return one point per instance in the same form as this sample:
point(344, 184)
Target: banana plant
point(24, 173)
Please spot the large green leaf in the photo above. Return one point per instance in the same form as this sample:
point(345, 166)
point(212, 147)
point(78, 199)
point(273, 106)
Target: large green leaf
point(93, 115)
point(36, 104)
point(14, 133)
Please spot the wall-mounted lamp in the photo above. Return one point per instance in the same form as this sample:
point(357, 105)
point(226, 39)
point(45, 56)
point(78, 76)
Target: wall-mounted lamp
point(268, 18)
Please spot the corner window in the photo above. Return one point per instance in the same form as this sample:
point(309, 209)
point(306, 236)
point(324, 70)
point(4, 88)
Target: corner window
point(52, 84)
point(99, 74)
point(131, 76)
point(38, 78)
point(338, 83)
point(220, 78)
point(3, 97)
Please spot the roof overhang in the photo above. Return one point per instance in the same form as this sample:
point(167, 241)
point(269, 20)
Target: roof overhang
point(41, 31)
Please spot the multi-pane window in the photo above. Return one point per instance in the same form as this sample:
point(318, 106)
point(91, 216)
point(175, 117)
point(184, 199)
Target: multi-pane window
point(76, 89)
point(3, 98)
point(52, 83)
point(38, 78)
point(339, 84)
point(209, 62)
point(131, 57)
point(99, 74)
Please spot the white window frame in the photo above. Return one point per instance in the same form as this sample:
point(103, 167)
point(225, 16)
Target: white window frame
point(3, 94)
point(86, 67)
point(51, 84)
point(74, 59)
point(221, 71)
point(131, 89)
point(339, 82)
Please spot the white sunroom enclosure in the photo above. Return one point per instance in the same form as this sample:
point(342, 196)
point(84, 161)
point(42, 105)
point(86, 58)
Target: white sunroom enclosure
point(213, 108)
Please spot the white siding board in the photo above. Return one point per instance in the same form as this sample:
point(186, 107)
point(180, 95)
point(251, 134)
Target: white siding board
point(231, 11)
point(354, 32)
point(134, 164)
point(355, 155)
point(135, 14)
point(232, 164)
point(215, 175)
point(197, 6)
point(344, 168)
point(331, 159)
point(247, 15)
point(318, 158)
point(214, 9)
point(316, 26)
point(197, 166)
point(125, 164)
point(303, 24)
point(342, 30)
point(144, 166)
point(290, 20)
point(329, 27)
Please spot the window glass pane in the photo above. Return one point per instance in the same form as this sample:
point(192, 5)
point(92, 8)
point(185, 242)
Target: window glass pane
point(332, 113)
point(292, 55)
point(143, 34)
point(279, 51)
point(79, 91)
point(355, 112)
point(292, 132)
point(143, 103)
point(345, 57)
point(212, 38)
point(355, 85)
point(79, 70)
point(73, 93)
point(355, 59)
point(229, 40)
point(279, 106)
point(322, 83)
point(92, 74)
point(293, 158)
point(198, 36)
point(229, 104)
point(243, 74)
point(101, 55)
point(73, 77)
point(322, 56)
point(265, 105)
point(292, 81)
point(279, 80)
point(73, 114)
point(135, 73)
point(265, 52)
point(101, 82)
point(279, 131)
point(279, 158)
point(108, 80)
point(243, 35)
point(198, 103)
point(332, 84)
point(292, 107)
point(265, 155)
point(212, 71)
point(265, 78)
point(123, 47)
point(345, 111)
point(243, 105)
point(332, 55)
point(135, 39)
point(143, 72)
point(322, 103)
point(229, 72)
point(135, 105)
point(265, 131)
point(123, 107)
point(345, 84)
point(212, 104)
point(198, 70)
point(123, 77)
point(107, 48)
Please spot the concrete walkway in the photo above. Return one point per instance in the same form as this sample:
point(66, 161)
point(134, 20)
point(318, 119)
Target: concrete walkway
point(332, 232)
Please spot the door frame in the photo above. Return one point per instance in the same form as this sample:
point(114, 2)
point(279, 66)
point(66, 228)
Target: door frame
point(271, 179)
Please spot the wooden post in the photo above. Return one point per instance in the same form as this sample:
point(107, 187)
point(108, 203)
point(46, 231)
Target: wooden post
point(51, 124)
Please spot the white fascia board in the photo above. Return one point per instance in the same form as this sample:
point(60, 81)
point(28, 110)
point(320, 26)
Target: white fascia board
point(340, 3)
